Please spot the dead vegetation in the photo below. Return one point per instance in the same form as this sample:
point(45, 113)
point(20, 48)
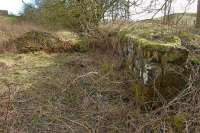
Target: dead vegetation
point(40, 41)
point(60, 92)
point(21, 37)
point(11, 28)
point(63, 93)
point(76, 92)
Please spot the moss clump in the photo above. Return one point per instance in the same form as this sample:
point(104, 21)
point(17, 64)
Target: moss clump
point(190, 40)
point(138, 92)
point(186, 36)
point(179, 121)
point(195, 59)
point(82, 44)
point(172, 39)
point(106, 68)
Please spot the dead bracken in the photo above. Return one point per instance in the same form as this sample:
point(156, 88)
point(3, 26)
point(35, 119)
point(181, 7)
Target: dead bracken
point(41, 41)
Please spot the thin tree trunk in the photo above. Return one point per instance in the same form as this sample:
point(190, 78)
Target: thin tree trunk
point(165, 13)
point(198, 15)
point(169, 12)
point(128, 10)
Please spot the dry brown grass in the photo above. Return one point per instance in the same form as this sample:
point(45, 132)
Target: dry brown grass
point(62, 93)
point(85, 93)
point(20, 36)
point(11, 29)
point(73, 93)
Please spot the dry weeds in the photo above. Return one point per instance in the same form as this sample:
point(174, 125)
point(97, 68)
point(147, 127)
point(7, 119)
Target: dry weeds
point(84, 93)
point(11, 28)
point(73, 93)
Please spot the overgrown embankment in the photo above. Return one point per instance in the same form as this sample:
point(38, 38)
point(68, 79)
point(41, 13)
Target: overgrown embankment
point(137, 78)
point(17, 35)
point(51, 42)
point(164, 66)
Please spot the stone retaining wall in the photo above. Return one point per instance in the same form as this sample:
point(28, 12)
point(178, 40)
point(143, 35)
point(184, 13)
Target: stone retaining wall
point(156, 66)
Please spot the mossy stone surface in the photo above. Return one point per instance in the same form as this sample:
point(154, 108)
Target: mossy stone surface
point(151, 52)
point(149, 39)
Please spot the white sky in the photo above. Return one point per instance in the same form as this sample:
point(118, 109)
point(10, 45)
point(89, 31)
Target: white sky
point(15, 7)
point(178, 7)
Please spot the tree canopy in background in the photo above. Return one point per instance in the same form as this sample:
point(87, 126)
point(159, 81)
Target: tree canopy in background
point(82, 15)
point(85, 15)
point(76, 14)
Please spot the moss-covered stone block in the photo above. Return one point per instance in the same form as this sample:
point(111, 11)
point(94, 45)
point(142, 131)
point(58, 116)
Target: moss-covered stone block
point(151, 53)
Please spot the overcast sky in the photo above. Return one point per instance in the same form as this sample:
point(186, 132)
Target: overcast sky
point(15, 7)
point(179, 6)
